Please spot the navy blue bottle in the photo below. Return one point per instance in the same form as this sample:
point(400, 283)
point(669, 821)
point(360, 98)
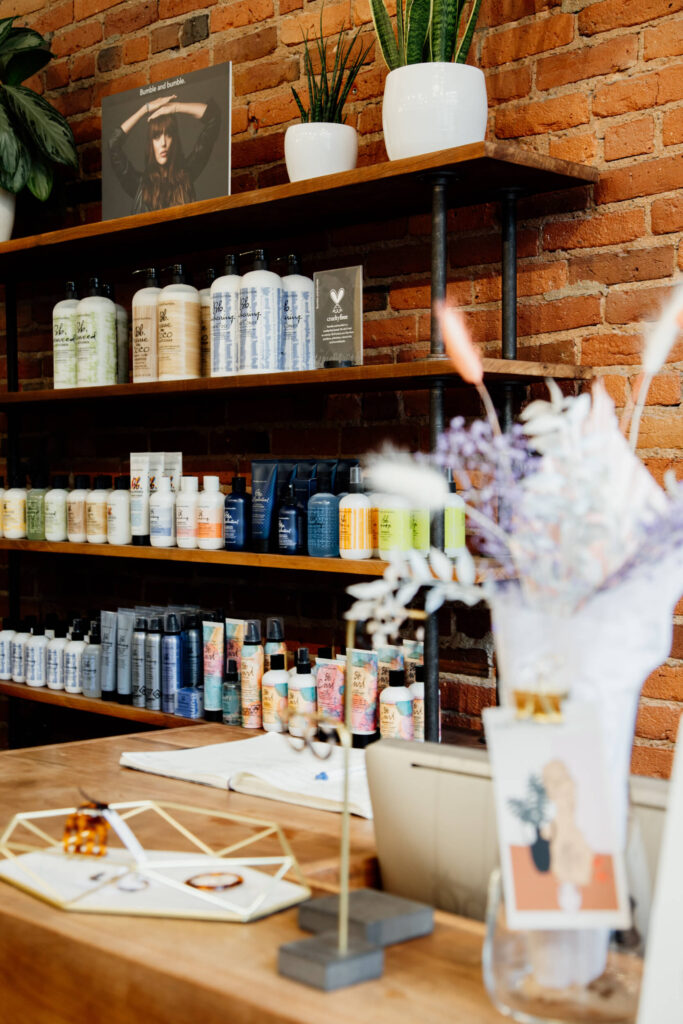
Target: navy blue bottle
point(193, 652)
point(323, 519)
point(237, 516)
point(289, 524)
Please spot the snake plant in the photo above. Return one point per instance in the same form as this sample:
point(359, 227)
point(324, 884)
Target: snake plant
point(426, 30)
point(328, 93)
point(33, 135)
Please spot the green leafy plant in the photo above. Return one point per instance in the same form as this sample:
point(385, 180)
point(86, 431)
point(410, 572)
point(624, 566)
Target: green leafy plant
point(327, 93)
point(33, 135)
point(426, 30)
point(533, 808)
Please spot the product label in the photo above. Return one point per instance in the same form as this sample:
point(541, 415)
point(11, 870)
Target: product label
point(275, 706)
point(161, 521)
point(330, 680)
point(413, 655)
point(396, 720)
point(213, 665)
point(55, 518)
point(75, 515)
point(96, 349)
point(144, 343)
point(35, 664)
point(287, 532)
point(232, 704)
point(186, 522)
point(35, 516)
point(209, 525)
point(418, 718)
point(178, 338)
point(138, 670)
point(363, 692)
point(354, 529)
point(72, 670)
point(374, 528)
point(153, 675)
point(394, 529)
point(454, 528)
point(14, 516)
point(420, 529)
point(54, 668)
point(86, 349)
point(302, 705)
point(171, 673)
point(5, 658)
point(225, 332)
point(234, 635)
point(252, 673)
point(260, 328)
point(64, 349)
point(96, 519)
point(90, 674)
point(298, 351)
point(18, 660)
point(388, 660)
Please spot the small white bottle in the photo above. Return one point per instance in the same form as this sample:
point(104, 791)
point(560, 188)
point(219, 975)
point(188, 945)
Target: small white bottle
point(302, 697)
point(18, 652)
point(178, 329)
point(145, 309)
point(225, 320)
point(14, 510)
point(260, 317)
point(210, 515)
point(36, 657)
point(75, 510)
point(64, 339)
point(122, 341)
point(55, 509)
point(298, 319)
point(118, 512)
point(7, 634)
point(205, 324)
point(275, 695)
point(396, 708)
point(186, 512)
point(354, 519)
point(55, 658)
point(453, 519)
point(162, 515)
point(417, 690)
point(90, 663)
point(73, 654)
point(96, 347)
point(96, 510)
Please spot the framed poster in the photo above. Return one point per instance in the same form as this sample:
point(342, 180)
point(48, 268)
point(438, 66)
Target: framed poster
point(167, 143)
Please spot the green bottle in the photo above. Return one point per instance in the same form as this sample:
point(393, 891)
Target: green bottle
point(35, 509)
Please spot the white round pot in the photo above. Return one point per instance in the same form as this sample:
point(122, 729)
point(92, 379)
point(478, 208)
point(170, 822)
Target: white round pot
point(7, 205)
point(312, 150)
point(433, 106)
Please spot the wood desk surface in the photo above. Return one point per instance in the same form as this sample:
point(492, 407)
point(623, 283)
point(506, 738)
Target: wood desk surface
point(58, 967)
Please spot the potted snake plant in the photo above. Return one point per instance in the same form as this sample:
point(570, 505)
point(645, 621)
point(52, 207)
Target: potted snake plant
point(322, 143)
point(33, 135)
point(432, 99)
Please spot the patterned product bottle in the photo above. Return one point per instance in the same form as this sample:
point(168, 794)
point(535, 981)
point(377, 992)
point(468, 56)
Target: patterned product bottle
point(96, 347)
point(178, 327)
point(298, 319)
point(225, 321)
point(260, 318)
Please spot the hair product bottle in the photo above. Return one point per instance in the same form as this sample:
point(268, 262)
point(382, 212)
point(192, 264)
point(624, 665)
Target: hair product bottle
point(14, 509)
point(35, 508)
point(54, 671)
point(237, 516)
point(453, 519)
point(64, 339)
point(91, 663)
point(122, 341)
point(138, 662)
point(178, 328)
point(289, 525)
point(354, 519)
point(232, 700)
point(323, 518)
point(205, 323)
point(225, 320)
point(153, 665)
point(252, 674)
point(275, 695)
point(118, 512)
point(302, 696)
point(55, 508)
point(393, 522)
point(193, 655)
point(210, 515)
point(96, 347)
point(145, 308)
point(260, 317)
point(36, 649)
point(7, 634)
point(420, 528)
point(417, 690)
point(18, 652)
point(96, 510)
point(396, 708)
point(75, 509)
point(73, 653)
point(186, 512)
point(171, 664)
point(162, 515)
point(298, 319)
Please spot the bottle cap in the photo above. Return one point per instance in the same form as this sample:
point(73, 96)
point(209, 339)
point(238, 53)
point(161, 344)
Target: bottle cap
point(303, 663)
point(60, 481)
point(419, 673)
point(172, 624)
point(218, 615)
point(230, 264)
point(397, 677)
point(122, 483)
point(38, 630)
point(95, 633)
point(80, 624)
point(108, 290)
point(239, 485)
point(355, 480)
point(277, 662)
point(252, 631)
point(324, 652)
point(192, 621)
point(231, 674)
point(140, 624)
point(210, 276)
point(155, 625)
point(450, 481)
point(81, 482)
point(60, 630)
point(70, 290)
point(151, 276)
point(177, 273)
point(94, 286)
point(76, 634)
point(189, 484)
point(211, 483)
point(102, 483)
point(275, 629)
point(293, 263)
point(258, 258)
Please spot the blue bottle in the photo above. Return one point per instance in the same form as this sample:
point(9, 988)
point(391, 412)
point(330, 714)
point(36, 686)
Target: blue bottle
point(323, 519)
point(171, 664)
point(193, 652)
point(289, 524)
point(237, 516)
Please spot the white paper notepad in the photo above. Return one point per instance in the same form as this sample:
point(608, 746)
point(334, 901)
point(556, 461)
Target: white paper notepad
point(266, 766)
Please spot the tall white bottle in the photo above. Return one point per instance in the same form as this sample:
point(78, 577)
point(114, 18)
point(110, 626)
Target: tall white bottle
point(298, 319)
point(96, 348)
point(225, 320)
point(186, 512)
point(162, 515)
point(55, 509)
point(205, 324)
point(178, 329)
point(145, 308)
point(210, 515)
point(260, 318)
point(64, 339)
point(354, 519)
point(122, 340)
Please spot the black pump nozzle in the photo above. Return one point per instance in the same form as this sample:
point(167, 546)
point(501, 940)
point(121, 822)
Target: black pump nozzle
point(258, 258)
point(151, 276)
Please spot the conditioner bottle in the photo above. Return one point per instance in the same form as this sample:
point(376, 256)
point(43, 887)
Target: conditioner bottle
point(64, 339)
point(298, 319)
point(145, 312)
point(179, 328)
point(354, 519)
point(225, 320)
point(260, 317)
point(205, 324)
point(55, 509)
point(96, 347)
point(122, 340)
point(14, 509)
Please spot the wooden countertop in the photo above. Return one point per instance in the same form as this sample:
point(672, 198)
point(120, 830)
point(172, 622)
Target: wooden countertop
point(57, 967)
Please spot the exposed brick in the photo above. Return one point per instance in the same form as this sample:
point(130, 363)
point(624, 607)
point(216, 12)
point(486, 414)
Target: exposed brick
point(542, 116)
point(587, 62)
point(634, 304)
point(369, 84)
point(525, 40)
point(665, 683)
point(670, 84)
point(665, 389)
point(57, 74)
point(677, 642)
point(658, 468)
point(262, 149)
point(71, 40)
point(502, 12)
point(131, 18)
point(173, 8)
point(478, 249)
point(335, 16)
point(267, 74)
point(665, 40)
point(166, 37)
point(241, 13)
point(87, 129)
point(636, 93)
point(600, 229)
point(559, 315)
point(582, 148)
point(609, 14)
point(287, 6)
point(276, 110)
point(667, 214)
point(672, 127)
point(508, 85)
point(654, 761)
point(240, 120)
point(179, 65)
point(194, 30)
point(645, 264)
point(630, 139)
point(86, 8)
point(82, 66)
point(664, 429)
point(109, 59)
point(532, 279)
point(361, 9)
point(370, 119)
point(418, 296)
point(135, 50)
point(75, 102)
point(658, 721)
point(115, 85)
point(467, 698)
point(249, 47)
point(55, 16)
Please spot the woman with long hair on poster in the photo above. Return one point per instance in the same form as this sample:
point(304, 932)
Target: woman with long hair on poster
point(169, 175)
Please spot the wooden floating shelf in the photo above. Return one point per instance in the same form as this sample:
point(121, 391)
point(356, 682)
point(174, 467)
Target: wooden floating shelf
point(78, 702)
point(367, 567)
point(410, 376)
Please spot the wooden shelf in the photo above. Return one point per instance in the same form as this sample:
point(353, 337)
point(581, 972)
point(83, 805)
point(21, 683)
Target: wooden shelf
point(409, 376)
point(478, 173)
point(78, 702)
point(368, 567)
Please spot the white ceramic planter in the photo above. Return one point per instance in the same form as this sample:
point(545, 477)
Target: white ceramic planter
point(312, 150)
point(7, 205)
point(433, 106)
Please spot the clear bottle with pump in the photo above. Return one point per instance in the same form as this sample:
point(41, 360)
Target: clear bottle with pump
point(14, 509)
point(55, 508)
point(118, 512)
point(323, 518)
point(18, 652)
point(225, 320)
point(7, 634)
point(396, 708)
point(91, 663)
point(453, 519)
point(96, 510)
point(260, 317)
point(35, 508)
point(76, 520)
point(122, 339)
point(274, 691)
point(302, 697)
point(145, 309)
point(298, 319)
point(73, 653)
point(179, 328)
point(186, 512)
point(36, 658)
point(162, 515)
point(205, 323)
point(211, 515)
point(64, 361)
point(96, 346)
point(55, 658)
point(354, 519)
point(237, 516)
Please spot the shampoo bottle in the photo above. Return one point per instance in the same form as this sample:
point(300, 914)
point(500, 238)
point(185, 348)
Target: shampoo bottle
point(302, 696)
point(35, 509)
point(396, 708)
point(232, 701)
point(96, 347)
point(55, 658)
point(162, 515)
point(237, 517)
point(55, 509)
point(205, 324)
point(137, 663)
point(323, 518)
point(91, 662)
point(186, 512)
point(75, 509)
point(260, 317)
point(225, 320)
point(36, 649)
point(178, 329)
point(354, 519)
point(96, 510)
point(73, 654)
point(298, 319)
point(64, 339)
point(289, 525)
point(393, 525)
point(7, 634)
point(453, 519)
point(210, 515)
point(14, 509)
point(145, 313)
point(118, 512)
point(122, 344)
point(18, 652)
point(275, 696)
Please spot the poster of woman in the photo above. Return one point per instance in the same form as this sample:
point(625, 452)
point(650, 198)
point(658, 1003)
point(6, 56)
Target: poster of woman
point(167, 143)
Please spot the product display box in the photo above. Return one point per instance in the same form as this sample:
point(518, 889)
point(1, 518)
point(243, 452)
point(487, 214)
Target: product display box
point(339, 317)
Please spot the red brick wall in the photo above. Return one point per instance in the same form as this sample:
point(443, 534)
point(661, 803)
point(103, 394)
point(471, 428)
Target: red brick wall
point(596, 82)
